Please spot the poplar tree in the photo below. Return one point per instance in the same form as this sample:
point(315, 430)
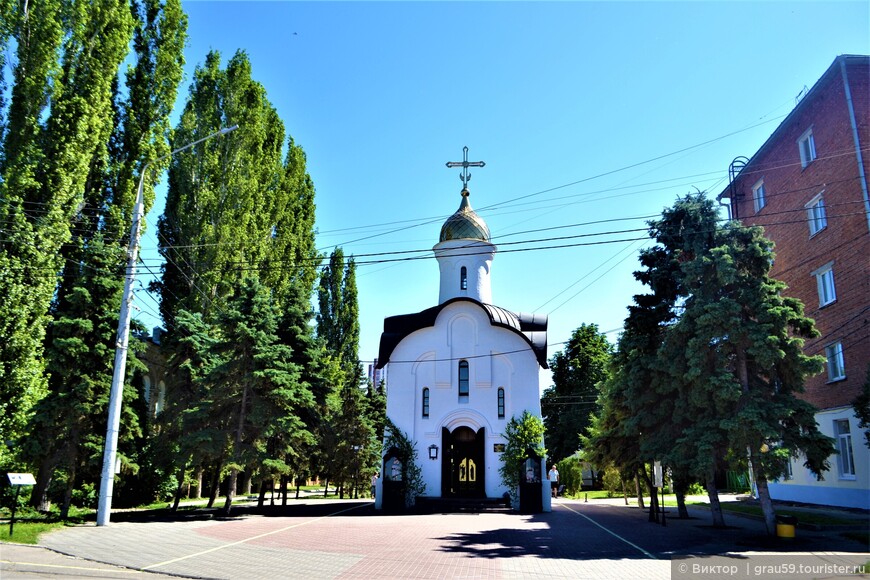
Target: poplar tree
point(70, 423)
point(346, 424)
point(233, 205)
point(237, 207)
point(68, 54)
point(568, 404)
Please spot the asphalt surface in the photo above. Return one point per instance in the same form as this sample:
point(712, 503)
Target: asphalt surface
point(349, 539)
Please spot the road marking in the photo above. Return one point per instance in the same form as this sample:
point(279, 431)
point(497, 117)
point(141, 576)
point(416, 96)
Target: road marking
point(230, 545)
point(614, 534)
point(113, 569)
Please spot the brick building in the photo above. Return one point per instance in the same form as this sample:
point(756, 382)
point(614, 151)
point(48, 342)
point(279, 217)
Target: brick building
point(808, 187)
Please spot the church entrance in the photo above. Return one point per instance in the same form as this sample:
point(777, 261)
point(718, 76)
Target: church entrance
point(462, 466)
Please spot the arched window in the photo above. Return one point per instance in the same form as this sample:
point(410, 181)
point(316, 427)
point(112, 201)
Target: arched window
point(463, 378)
point(463, 278)
point(426, 402)
point(500, 403)
point(161, 398)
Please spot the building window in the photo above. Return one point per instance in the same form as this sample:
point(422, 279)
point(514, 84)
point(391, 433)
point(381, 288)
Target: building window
point(161, 398)
point(816, 215)
point(463, 378)
point(836, 365)
point(500, 403)
point(845, 460)
point(463, 279)
point(825, 283)
point(426, 402)
point(807, 146)
point(758, 196)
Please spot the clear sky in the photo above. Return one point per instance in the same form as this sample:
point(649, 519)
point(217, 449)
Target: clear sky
point(591, 117)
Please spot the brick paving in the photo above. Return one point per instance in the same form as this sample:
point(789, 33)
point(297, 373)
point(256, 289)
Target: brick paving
point(349, 540)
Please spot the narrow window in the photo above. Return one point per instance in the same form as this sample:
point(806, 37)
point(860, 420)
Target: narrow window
point(836, 364)
point(816, 217)
point(161, 398)
point(758, 196)
point(807, 147)
point(463, 278)
point(845, 459)
point(825, 283)
point(426, 402)
point(463, 378)
point(500, 403)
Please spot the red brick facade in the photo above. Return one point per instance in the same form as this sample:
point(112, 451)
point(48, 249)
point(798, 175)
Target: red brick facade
point(843, 244)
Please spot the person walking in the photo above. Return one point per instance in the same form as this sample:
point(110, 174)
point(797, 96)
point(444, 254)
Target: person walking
point(374, 484)
point(553, 476)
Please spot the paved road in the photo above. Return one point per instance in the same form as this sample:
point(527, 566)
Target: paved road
point(349, 540)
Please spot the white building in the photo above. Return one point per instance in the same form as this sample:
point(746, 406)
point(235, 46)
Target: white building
point(459, 371)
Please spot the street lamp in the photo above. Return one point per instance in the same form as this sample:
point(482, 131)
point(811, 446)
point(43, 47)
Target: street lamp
point(110, 454)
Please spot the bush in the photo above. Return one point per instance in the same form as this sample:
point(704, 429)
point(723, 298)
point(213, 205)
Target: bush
point(612, 481)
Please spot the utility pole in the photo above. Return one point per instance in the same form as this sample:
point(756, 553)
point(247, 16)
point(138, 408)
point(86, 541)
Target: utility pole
point(110, 453)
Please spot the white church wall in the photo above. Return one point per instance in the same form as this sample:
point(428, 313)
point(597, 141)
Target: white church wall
point(497, 358)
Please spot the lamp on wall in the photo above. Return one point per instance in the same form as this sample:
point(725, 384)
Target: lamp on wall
point(433, 451)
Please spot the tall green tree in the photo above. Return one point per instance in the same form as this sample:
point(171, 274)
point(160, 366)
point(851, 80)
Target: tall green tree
point(346, 425)
point(568, 404)
point(255, 383)
point(741, 343)
point(68, 55)
point(234, 206)
point(81, 336)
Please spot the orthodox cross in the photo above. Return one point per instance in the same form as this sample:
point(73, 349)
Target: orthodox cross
point(465, 176)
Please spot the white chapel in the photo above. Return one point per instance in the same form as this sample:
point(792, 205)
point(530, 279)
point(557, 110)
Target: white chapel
point(459, 371)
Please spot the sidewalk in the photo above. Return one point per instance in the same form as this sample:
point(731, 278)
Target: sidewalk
point(601, 539)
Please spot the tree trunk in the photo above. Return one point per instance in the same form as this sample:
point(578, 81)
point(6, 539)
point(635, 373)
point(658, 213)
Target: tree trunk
point(70, 485)
point(624, 492)
point(247, 483)
point(231, 491)
point(261, 498)
point(765, 501)
point(237, 452)
point(713, 495)
point(653, 499)
point(298, 487)
point(638, 491)
point(284, 482)
point(177, 498)
point(681, 487)
point(198, 493)
point(39, 495)
point(325, 486)
point(215, 484)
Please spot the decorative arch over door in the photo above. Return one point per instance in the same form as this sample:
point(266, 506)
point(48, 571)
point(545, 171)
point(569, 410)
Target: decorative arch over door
point(462, 463)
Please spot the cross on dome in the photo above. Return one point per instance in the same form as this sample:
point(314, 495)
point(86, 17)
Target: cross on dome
point(465, 176)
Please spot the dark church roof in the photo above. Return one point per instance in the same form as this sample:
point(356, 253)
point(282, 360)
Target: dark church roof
point(532, 327)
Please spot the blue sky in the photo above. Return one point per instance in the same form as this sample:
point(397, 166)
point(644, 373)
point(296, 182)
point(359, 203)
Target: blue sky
point(591, 118)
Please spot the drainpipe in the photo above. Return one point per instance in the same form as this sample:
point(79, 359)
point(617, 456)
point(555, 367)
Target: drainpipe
point(856, 140)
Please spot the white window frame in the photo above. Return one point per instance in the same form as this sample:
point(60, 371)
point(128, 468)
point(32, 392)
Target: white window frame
point(807, 147)
point(758, 195)
point(817, 218)
point(845, 457)
point(825, 284)
point(836, 364)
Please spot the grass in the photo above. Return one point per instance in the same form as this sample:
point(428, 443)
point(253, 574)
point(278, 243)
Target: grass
point(30, 524)
point(27, 532)
point(805, 517)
